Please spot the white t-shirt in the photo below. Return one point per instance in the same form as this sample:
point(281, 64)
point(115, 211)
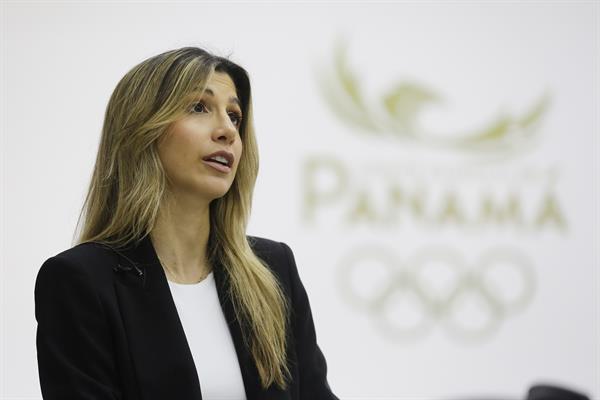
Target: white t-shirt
point(209, 339)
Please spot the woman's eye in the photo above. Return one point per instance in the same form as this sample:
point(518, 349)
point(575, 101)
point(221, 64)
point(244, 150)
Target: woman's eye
point(236, 118)
point(199, 107)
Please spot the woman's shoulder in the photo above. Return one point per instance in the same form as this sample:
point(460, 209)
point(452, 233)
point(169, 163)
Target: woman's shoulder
point(84, 251)
point(269, 248)
point(277, 255)
point(259, 243)
point(85, 259)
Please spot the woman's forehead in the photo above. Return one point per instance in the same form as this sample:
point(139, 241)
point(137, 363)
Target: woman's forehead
point(219, 84)
point(221, 78)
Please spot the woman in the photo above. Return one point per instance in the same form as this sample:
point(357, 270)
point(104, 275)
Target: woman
point(165, 296)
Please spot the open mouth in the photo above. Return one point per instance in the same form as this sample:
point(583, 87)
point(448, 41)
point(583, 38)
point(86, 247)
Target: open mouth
point(219, 166)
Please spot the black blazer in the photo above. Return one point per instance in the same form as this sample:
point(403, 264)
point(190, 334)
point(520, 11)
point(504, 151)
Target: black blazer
point(108, 328)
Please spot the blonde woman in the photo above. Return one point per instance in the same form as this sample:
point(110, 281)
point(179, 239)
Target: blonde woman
point(164, 296)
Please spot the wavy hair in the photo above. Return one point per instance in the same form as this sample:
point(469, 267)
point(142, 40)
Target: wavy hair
point(128, 186)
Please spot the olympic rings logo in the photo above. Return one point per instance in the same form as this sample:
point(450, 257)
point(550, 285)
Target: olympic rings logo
point(406, 298)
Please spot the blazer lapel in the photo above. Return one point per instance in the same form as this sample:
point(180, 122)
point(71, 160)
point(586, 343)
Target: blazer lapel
point(162, 360)
point(247, 366)
point(161, 356)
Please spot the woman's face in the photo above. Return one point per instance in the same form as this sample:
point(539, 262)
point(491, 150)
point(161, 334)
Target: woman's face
point(210, 125)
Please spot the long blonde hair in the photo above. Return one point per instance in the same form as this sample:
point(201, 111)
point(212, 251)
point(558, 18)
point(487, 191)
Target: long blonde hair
point(128, 185)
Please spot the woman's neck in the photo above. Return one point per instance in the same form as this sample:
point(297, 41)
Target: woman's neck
point(180, 238)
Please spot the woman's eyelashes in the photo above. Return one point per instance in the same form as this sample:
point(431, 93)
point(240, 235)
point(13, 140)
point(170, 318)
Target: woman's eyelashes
point(199, 107)
point(237, 118)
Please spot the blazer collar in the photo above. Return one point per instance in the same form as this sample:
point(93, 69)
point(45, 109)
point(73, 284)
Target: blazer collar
point(160, 353)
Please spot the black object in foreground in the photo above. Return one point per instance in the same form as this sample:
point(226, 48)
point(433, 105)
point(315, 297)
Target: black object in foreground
point(548, 392)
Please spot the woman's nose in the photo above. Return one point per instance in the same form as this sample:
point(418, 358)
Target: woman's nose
point(225, 131)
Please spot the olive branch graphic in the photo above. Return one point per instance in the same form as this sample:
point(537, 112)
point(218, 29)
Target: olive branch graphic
point(396, 113)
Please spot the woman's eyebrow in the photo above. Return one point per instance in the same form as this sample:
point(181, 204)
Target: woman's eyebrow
point(231, 99)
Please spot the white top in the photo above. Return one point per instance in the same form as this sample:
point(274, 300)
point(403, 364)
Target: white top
point(209, 339)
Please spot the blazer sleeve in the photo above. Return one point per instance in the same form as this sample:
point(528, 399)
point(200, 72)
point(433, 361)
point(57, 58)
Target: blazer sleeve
point(74, 349)
point(311, 361)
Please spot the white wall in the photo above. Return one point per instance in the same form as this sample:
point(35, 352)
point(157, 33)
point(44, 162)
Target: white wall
point(483, 61)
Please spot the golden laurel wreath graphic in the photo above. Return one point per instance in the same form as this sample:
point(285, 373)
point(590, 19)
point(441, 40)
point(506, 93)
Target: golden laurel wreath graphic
point(406, 303)
point(397, 113)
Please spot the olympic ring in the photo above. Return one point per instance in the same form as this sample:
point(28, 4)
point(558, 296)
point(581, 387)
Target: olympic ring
point(406, 299)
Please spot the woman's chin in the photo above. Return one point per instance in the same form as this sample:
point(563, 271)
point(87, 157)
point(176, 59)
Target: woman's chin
point(218, 193)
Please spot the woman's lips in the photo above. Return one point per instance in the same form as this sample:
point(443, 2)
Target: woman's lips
point(217, 166)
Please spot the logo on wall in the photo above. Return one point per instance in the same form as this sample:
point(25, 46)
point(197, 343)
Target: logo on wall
point(467, 287)
point(405, 298)
point(396, 113)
